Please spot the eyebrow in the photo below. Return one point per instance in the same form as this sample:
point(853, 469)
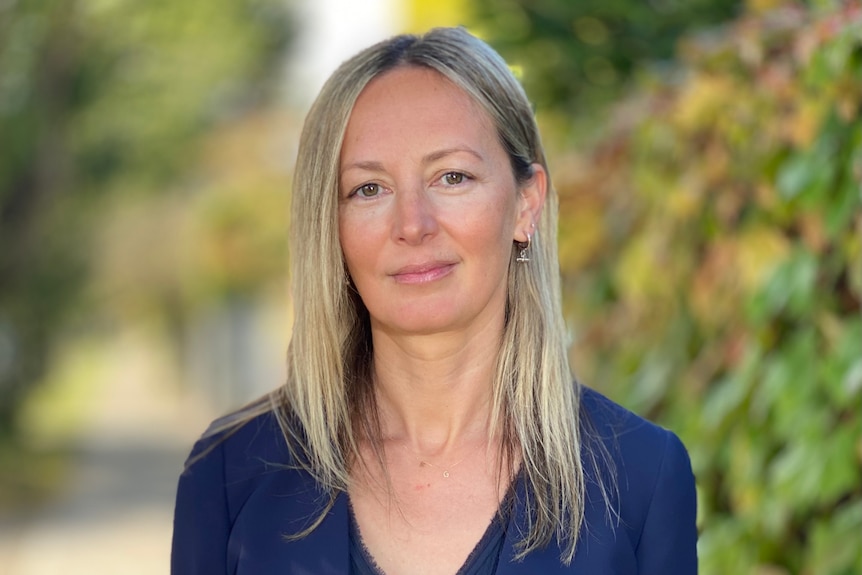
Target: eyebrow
point(373, 166)
point(368, 166)
point(440, 154)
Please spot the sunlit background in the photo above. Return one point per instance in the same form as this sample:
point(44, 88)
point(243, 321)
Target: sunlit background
point(708, 156)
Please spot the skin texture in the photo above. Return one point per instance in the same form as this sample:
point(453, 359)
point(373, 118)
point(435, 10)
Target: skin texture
point(429, 208)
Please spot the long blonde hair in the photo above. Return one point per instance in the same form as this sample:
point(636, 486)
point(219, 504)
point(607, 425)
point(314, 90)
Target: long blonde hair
point(327, 401)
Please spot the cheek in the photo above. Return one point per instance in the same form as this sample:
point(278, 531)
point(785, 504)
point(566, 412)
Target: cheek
point(359, 244)
point(486, 235)
point(347, 240)
point(490, 225)
point(349, 249)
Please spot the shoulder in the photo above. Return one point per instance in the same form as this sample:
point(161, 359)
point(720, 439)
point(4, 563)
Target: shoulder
point(608, 422)
point(645, 472)
point(243, 445)
point(240, 493)
point(240, 459)
point(234, 458)
point(636, 447)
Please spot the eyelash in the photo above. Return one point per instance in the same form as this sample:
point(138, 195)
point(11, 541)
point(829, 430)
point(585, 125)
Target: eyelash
point(461, 175)
point(358, 191)
point(443, 179)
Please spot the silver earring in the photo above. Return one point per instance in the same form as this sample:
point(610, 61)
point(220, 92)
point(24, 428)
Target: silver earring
point(524, 257)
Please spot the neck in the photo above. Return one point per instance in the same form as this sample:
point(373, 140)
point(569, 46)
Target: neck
point(435, 392)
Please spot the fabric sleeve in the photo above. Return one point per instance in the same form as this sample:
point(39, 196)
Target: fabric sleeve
point(201, 519)
point(668, 542)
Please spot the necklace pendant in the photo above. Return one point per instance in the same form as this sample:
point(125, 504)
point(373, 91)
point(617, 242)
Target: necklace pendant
point(446, 473)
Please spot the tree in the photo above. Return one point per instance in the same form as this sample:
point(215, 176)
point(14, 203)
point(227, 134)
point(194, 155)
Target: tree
point(100, 100)
point(576, 55)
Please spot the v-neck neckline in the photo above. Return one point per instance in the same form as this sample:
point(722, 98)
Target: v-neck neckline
point(493, 539)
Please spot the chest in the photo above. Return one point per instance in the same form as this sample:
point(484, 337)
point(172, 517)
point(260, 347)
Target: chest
point(427, 523)
point(258, 544)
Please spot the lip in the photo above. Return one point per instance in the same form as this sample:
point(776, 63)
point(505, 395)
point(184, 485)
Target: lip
point(422, 273)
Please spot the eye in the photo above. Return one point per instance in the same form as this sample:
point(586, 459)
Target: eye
point(453, 178)
point(367, 190)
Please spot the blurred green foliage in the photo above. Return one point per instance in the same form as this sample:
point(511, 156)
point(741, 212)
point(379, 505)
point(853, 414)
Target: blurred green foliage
point(578, 55)
point(99, 100)
point(711, 246)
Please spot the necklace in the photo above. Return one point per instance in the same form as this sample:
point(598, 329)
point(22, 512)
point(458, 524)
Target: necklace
point(445, 468)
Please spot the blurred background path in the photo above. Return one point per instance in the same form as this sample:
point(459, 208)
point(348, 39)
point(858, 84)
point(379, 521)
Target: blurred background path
point(115, 516)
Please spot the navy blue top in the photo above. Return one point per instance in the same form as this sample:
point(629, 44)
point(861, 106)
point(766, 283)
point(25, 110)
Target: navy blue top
point(237, 503)
point(481, 561)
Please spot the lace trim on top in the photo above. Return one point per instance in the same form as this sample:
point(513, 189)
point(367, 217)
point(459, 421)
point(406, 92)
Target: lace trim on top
point(482, 560)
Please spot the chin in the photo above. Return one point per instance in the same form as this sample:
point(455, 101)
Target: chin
point(409, 322)
point(418, 326)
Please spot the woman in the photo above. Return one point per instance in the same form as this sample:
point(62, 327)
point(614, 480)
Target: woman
point(430, 423)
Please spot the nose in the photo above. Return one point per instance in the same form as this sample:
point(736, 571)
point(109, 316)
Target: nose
point(415, 217)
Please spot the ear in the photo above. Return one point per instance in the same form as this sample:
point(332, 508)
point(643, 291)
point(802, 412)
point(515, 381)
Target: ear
point(532, 200)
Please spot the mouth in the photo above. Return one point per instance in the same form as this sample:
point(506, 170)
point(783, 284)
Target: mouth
point(422, 273)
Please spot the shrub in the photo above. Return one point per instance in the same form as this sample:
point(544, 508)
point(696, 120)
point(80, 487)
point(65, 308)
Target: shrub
point(712, 265)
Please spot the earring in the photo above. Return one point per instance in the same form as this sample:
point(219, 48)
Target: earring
point(524, 257)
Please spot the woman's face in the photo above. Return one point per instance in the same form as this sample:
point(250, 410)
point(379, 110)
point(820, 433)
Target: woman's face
point(429, 206)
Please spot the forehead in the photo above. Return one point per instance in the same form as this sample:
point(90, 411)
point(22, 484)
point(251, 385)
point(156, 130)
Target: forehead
point(412, 102)
point(419, 84)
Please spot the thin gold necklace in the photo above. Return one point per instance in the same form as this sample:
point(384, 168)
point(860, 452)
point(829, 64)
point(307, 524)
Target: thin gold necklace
point(445, 468)
point(423, 463)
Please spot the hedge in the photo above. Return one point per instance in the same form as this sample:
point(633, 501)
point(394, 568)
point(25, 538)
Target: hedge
point(710, 246)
